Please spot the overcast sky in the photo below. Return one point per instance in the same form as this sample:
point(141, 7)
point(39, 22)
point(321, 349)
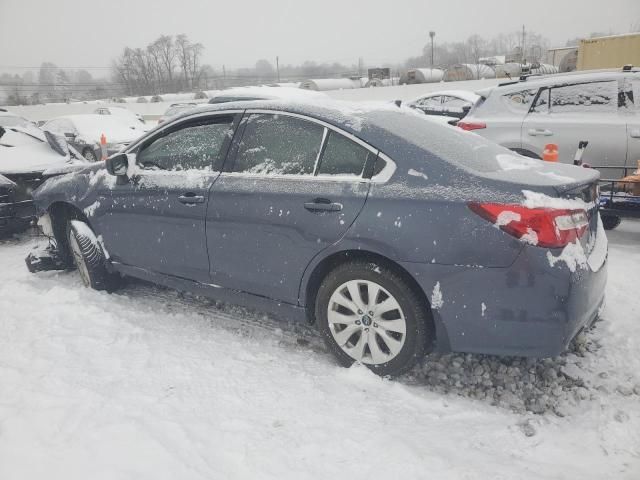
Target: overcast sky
point(89, 33)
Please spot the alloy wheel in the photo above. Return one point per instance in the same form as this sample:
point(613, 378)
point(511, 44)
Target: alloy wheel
point(366, 322)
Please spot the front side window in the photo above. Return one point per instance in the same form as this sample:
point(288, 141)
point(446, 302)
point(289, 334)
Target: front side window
point(342, 156)
point(278, 145)
point(193, 147)
point(585, 97)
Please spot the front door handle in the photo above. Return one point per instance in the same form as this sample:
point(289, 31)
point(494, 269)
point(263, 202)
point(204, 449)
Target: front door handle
point(322, 205)
point(634, 133)
point(539, 132)
point(190, 198)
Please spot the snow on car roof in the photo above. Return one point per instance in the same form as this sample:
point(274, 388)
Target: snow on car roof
point(399, 130)
point(270, 93)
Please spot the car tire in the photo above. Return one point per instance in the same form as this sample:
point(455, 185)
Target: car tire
point(368, 334)
point(89, 257)
point(89, 155)
point(609, 222)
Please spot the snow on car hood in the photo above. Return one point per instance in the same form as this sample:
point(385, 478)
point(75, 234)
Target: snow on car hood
point(26, 150)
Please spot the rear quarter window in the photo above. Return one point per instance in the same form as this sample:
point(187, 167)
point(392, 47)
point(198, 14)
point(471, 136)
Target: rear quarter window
point(519, 101)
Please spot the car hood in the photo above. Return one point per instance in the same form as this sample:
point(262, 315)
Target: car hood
point(28, 151)
point(5, 182)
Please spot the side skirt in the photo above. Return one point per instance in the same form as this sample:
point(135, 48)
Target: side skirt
point(215, 292)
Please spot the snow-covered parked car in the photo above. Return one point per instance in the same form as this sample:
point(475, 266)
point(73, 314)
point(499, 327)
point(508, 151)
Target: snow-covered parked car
point(27, 157)
point(132, 119)
point(84, 132)
point(8, 119)
point(393, 241)
point(448, 103)
point(600, 107)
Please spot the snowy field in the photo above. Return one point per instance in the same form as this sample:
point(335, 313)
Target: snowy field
point(150, 384)
point(152, 111)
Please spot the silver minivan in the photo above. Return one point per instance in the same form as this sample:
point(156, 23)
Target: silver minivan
point(601, 107)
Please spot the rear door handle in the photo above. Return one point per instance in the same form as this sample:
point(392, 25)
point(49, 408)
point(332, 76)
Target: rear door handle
point(190, 198)
point(323, 205)
point(539, 132)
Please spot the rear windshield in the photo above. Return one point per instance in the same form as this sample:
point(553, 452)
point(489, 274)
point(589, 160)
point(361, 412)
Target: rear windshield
point(464, 149)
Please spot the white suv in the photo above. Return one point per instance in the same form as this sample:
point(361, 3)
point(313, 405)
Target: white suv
point(601, 107)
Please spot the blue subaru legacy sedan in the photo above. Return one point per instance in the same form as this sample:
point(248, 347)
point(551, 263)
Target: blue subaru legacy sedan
point(394, 235)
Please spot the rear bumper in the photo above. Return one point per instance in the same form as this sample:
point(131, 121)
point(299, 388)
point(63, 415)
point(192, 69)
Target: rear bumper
point(529, 309)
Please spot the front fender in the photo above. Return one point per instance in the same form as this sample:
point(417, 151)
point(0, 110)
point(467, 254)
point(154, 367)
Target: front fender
point(75, 188)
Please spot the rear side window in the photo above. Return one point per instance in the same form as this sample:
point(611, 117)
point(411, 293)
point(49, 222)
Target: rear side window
point(278, 145)
point(342, 156)
point(585, 97)
point(193, 147)
point(520, 101)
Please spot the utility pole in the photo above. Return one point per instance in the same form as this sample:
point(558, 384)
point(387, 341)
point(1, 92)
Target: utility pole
point(224, 77)
point(278, 67)
point(432, 34)
point(524, 59)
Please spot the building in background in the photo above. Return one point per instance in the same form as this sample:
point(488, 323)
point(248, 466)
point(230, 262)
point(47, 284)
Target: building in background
point(609, 52)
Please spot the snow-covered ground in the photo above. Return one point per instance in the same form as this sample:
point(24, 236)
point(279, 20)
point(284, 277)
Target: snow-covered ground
point(150, 384)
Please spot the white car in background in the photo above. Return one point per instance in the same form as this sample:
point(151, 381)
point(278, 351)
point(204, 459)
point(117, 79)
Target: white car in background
point(454, 104)
point(84, 132)
point(600, 107)
point(123, 113)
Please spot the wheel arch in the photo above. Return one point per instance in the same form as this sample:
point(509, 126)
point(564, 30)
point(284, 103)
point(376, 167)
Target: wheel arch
point(314, 276)
point(60, 213)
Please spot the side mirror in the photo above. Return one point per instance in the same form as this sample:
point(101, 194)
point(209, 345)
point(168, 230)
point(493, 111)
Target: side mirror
point(118, 164)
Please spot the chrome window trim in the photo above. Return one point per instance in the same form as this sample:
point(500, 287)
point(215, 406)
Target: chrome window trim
point(384, 176)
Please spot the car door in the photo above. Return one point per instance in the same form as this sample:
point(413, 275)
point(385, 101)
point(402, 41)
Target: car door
point(570, 113)
point(156, 220)
point(293, 189)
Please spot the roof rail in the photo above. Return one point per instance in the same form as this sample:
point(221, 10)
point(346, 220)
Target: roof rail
point(627, 68)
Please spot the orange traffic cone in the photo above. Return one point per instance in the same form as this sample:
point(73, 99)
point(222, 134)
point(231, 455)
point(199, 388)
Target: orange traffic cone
point(103, 146)
point(550, 153)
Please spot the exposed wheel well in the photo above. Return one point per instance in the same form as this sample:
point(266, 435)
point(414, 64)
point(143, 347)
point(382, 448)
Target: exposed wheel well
point(325, 266)
point(61, 213)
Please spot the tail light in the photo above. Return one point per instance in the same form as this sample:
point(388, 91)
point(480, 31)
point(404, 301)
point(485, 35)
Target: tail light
point(544, 227)
point(468, 126)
